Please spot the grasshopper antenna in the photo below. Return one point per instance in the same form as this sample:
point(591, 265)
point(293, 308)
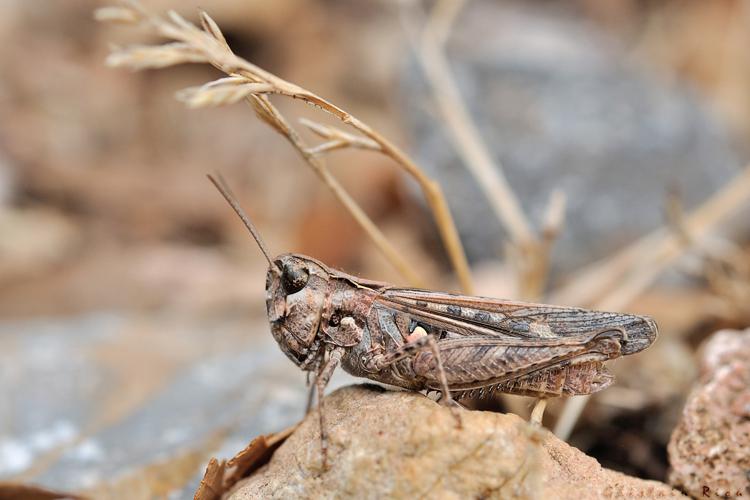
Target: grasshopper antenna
point(226, 192)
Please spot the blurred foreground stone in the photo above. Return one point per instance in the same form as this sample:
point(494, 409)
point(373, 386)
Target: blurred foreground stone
point(114, 407)
point(710, 448)
point(403, 445)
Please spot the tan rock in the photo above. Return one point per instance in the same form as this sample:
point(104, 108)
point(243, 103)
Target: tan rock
point(710, 448)
point(404, 445)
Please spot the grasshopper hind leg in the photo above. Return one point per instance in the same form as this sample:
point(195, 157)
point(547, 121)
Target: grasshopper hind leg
point(445, 398)
point(415, 344)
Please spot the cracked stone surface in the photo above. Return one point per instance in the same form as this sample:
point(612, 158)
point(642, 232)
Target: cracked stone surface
point(386, 444)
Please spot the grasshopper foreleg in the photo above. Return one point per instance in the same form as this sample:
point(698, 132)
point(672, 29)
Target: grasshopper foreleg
point(321, 381)
point(311, 387)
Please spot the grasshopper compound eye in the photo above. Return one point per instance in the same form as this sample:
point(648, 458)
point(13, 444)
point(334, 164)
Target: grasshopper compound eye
point(294, 276)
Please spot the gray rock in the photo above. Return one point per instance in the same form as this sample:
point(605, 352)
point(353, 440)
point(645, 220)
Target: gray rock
point(710, 448)
point(123, 407)
point(560, 106)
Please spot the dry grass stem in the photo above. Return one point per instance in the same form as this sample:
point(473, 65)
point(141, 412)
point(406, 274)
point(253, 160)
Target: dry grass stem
point(531, 254)
point(116, 15)
point(141, 57)
point(617, 280)
point(268, 112)
point(337, 138)
point(464, 132)
point(554, 217)
point(248, 81)
point(721, 263)
point(621, 278)
point(536, 270)
point(221, 92)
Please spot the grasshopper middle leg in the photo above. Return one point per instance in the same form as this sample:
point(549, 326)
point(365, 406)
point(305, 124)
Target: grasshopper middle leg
point(410, 349)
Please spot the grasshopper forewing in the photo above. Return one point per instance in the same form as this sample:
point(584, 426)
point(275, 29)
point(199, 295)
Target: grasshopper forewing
point(430, 341)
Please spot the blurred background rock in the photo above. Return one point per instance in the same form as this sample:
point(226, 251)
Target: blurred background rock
point(133, 338)
point(565, 105)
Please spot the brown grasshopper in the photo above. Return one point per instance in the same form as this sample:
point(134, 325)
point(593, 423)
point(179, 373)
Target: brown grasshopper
point(421, 340)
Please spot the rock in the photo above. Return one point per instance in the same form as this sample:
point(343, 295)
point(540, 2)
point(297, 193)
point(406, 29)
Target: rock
point(13, 491)
point(7, 180)
point(561, 105)
point(386, 444)
point(710, 448)
point(34, 240)
point(115, 406)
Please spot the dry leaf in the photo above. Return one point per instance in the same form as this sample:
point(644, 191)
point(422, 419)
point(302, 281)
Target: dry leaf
point(211, 487)
point(218, 480)
point(257, 454)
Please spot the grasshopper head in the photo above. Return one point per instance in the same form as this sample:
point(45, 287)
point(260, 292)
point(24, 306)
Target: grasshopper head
point(296, 292)
point(296, 289)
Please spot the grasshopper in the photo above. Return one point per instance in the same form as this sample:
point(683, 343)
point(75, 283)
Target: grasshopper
point(458, 345)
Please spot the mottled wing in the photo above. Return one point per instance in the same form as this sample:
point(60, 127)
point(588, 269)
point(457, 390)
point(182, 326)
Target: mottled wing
point(514, 322)
point(514, 347)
